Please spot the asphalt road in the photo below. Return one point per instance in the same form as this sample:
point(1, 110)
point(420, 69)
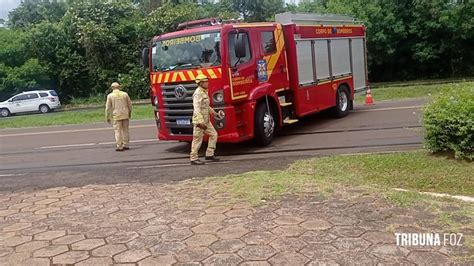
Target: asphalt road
point(37, 158)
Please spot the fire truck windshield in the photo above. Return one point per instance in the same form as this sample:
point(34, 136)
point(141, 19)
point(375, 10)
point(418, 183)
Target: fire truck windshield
point(192, 51)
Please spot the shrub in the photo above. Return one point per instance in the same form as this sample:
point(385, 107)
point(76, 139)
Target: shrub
point(449, 122)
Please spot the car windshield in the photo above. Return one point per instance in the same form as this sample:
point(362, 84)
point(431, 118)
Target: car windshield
point(193, 51)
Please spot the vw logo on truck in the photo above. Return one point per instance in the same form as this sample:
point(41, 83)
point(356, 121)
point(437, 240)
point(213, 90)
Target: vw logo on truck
point(180, 92)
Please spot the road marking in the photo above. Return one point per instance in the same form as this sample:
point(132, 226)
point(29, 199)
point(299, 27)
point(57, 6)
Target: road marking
point(390, 108)
point(93, 144)
point(68, 131)
point(8, 175)
point(172, 165)
point(441, 195)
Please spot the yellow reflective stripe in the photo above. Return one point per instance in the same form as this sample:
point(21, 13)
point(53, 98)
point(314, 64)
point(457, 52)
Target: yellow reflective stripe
point(181, 76)
point(211, 73)
point(220, 70)
point(175, 75)
point(191, 75)
point(167, 76)
point(273, 59)
point(200, 72)
point(160, 76)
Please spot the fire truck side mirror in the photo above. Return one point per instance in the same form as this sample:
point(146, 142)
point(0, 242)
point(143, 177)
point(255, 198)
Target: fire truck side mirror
point(239, 46)
point(146, 58)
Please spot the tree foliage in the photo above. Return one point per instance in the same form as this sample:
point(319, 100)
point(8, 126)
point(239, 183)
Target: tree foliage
point(79, 47)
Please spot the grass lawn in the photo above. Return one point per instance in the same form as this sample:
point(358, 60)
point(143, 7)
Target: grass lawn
point(417, 91)
point(70, 118)
point(416, 171)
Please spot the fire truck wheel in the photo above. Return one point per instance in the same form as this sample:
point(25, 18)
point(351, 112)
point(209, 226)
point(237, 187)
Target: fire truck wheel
point(343, 102)
point(264, 125)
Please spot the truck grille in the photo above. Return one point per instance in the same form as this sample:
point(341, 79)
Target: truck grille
point(178, 108)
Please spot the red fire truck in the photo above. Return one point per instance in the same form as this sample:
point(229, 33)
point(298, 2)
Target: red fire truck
point(261, 75)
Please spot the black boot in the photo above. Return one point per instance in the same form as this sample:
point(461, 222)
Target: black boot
point(212, 158)
point(197, 162)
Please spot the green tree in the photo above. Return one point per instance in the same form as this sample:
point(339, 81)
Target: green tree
point(255, 10)
point(32, 12)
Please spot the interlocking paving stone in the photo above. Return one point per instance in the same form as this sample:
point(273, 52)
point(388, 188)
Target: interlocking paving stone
point(109, 250)
point(177, 234)
point(193, 254)
point(258, 238)
point(158, 260)
point(88, 244)
point(31, 246)
point(5, 251)
point(50, 251)
point(50, 235)
point(200, 240)
point(256, 252)
point(238, 213)
point(209, 228)
point(129, 222)
point(131, 256)
point(95, 261)
point(360, 258)
point(428, 258)
point(217, 209)
point(15, 241)
point(16, 258)
point(167, 247)
point(317, 237)
point(101, 232)
point(288, 244)
point(379, 237)
point(255, 263)
point(212, 218)
point(351, 244)
point(122, 237)
point(288, 230)
point(288, 258)
point(144, 242)
point(154, 230)
point(70, 257)
point(36, 262)
point(227, 246)
point(231, 232)
point(16, 227)
point(317, 251)
point(223, 259)
point(316, 224)
point(288, 220)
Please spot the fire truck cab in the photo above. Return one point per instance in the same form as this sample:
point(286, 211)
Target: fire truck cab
point(261, 75)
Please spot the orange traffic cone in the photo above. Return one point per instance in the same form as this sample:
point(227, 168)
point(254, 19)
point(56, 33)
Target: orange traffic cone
point(368, 97)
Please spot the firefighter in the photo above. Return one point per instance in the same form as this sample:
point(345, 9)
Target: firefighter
point(202, 123)
point(119, 109)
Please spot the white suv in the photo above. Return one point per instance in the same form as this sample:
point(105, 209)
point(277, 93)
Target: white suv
point(30, 101)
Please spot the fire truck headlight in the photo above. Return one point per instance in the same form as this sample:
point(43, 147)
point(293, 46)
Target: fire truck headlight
point(218, 97)
point(155, 101)
point(220, 125)
point(221, 114)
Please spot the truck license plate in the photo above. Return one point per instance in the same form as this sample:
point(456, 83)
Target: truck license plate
point(183, 122)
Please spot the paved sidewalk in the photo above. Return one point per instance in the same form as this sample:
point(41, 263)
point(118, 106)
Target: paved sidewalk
point(190, 223)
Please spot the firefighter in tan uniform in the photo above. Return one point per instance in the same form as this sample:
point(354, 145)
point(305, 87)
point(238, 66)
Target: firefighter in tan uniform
point(202, 123)
point(119, 109)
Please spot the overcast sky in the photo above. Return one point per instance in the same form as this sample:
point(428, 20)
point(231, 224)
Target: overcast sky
point(6, 6)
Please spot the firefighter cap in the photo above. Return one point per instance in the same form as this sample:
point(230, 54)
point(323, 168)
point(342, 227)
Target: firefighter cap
point(115, 85)
point(201, 77)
